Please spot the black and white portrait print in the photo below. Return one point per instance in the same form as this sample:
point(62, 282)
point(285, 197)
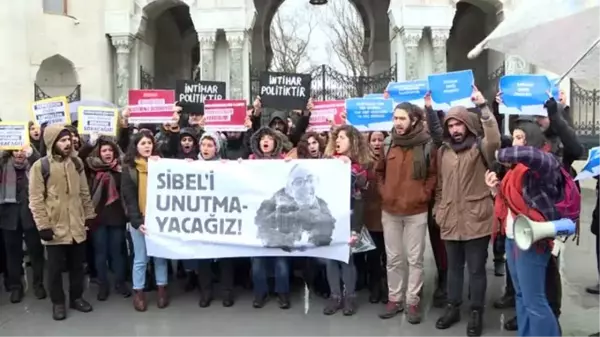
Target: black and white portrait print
point(295, 218)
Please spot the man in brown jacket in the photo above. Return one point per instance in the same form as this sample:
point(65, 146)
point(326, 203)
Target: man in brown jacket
point(60, 203)
point(407, 176)
point(464, 207)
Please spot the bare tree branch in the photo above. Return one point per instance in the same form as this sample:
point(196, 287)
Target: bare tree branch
point(290, 37)
point(346, 33)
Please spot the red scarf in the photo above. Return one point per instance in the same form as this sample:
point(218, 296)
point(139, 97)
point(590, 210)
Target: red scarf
point(510, 197)
point(103, 179)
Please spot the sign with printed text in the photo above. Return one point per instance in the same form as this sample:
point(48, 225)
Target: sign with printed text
point(524, 94)
point(591, 168)
point(409, 91)
point(370, 114)
point(50, 111)
point(325, 111)
point(151, 106)
point(285, 90)
point(191, 95)
point(555, 88)
point(214, 209)
point(451, 89)
point(14, 135)
point(99, 120)
point(225, 115)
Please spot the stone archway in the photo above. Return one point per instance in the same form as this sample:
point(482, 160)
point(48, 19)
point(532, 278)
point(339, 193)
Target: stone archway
point(57, 76)
point(473, 21)
point(170, 44)
point(375, 31)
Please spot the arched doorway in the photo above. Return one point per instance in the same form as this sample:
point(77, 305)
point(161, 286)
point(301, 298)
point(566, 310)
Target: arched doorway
point(57, 77)
point(473, 21)
point(373, 50)
point(170, 50)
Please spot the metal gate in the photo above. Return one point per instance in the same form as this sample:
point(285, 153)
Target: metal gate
point(146, 79)
point(330, 84)
point(584, 110)
point(39, 94)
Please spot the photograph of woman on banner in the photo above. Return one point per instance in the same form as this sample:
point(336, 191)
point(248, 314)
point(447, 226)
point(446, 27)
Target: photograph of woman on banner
point(295, 216)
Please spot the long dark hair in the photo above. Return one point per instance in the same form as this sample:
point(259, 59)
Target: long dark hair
point(132, 152)
point(302, 148)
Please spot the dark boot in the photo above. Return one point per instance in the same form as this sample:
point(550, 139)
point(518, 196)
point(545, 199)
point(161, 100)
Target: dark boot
point(439, 295)
point(103, 292)
point(375, 294)
point(349, 307)
point(163, 297)
point(259, 301)
point(333, 305)
point(391, 310)
point(39, 292)
point(59, 312)
point(506, 301)
point(511, 324)
point(16, 295)
point(81, 305)
point(228, 298)
point(475, 324)
point(123, 290)
point(284, 301)
point(206, 298)
point(450, 317)
point(499, 267)
point(139, 300)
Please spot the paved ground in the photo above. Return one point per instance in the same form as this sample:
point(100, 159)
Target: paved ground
point(184, 317)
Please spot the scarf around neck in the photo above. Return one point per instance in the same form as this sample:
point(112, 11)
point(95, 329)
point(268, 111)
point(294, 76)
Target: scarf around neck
point(415, 140)
point(8, 182)
point(103, 179)
point(141, 166)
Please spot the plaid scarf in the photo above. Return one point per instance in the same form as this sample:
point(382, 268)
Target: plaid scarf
point(8, 180)
point(103, 180)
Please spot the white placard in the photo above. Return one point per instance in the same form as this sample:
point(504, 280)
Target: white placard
point(102, 121)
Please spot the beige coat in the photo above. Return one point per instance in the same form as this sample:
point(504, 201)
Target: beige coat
point(464, 208)
point(68, 203)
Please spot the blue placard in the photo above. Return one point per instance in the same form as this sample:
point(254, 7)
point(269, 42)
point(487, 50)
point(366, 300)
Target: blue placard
point(374, 95)
point(451, 89)
point(524, 94)
point(409, 91)
point(370, 114)
point(555, 88)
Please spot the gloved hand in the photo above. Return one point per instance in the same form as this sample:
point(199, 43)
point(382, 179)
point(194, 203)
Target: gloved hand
point(46, 234)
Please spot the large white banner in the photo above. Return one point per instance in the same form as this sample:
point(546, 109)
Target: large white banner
point(213, 209)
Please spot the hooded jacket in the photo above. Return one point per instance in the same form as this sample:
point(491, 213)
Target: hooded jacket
point(67, 204)
point(257, 153)
point(291, 137)
point(218, 145)
point(464, 208)
point(173, 149)
point(561, 136)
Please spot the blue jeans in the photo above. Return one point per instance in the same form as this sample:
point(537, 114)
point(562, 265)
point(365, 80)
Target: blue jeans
point(528, 273)
point(108, 244)
point(140, 262)
point(260, 273)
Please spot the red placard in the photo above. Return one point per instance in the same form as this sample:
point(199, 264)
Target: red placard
point(225, 115)
point(325, 111)
point(151, 106)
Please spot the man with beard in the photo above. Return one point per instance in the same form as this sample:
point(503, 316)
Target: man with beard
point(60, 204)
point(464, 207)
point(407, 177)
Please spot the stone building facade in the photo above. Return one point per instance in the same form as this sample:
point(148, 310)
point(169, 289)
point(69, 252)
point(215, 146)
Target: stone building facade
point(99, 49)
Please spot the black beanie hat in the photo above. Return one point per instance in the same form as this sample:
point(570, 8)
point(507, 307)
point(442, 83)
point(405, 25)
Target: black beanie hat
point(534, 136)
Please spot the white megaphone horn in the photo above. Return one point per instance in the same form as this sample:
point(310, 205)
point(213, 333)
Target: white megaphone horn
point(527, 231)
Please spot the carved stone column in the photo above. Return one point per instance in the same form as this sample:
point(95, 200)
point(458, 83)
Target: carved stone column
point(207, 55)
point(236, 64)
point(411, 38)
point(514, 64)
point(123, 44)
point(438, 39)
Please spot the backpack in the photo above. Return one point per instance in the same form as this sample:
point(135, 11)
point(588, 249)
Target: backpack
point(387, 146)
point(570, 205)
point(45, 163)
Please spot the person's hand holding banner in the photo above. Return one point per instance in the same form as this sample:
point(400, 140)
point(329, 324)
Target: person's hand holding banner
point(477, 96)
point(428, 101)
point(143, 229)
point(257, 105)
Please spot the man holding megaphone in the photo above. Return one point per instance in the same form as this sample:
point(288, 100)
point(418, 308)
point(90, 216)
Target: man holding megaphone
point(536, 200)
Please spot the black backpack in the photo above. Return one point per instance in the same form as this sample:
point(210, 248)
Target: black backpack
point(387, 145)
point(45, 163)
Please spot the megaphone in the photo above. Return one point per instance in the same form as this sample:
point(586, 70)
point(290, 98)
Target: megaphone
point(527, 231)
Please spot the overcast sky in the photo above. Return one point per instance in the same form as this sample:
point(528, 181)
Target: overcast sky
point(319, 41)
